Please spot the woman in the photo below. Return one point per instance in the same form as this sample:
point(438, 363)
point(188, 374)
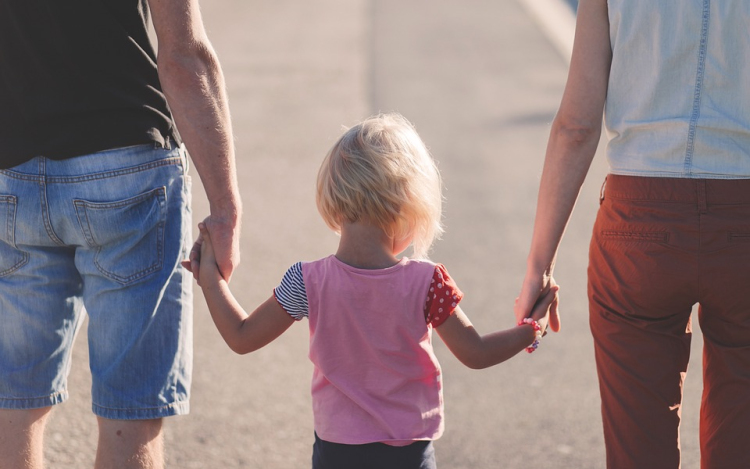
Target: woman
point(673, 228)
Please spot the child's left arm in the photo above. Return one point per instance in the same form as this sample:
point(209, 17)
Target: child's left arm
point(242, 332)
point(479, 352)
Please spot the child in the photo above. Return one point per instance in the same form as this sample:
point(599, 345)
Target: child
point(376, 387)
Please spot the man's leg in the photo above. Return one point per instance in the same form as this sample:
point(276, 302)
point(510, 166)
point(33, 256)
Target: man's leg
point(40, 314)
point(138, 297)
point(130, 444)
point(21, 438)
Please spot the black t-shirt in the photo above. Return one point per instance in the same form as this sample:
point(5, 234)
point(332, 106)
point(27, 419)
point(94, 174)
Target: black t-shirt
point(77, 77)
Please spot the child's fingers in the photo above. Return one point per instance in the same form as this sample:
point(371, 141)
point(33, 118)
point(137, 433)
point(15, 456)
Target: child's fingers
point(207, 248)
point(203, 230)
point(192, 264)
point(542, 306)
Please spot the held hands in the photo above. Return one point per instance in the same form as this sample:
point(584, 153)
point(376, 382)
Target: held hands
point(225, 247)
point(542, 312)
point(539, 300)
point(203, 264)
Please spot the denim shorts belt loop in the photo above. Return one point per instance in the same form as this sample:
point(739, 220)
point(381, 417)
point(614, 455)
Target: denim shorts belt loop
point(101, 234)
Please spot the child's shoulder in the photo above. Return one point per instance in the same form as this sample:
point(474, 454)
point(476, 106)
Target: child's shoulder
point(419, 264)
point(436, 271)
point(426, 264)
point(425, 268)
point(417, 267)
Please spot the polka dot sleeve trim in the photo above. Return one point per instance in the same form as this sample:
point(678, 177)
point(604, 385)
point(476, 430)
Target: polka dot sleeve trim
point(442, 297)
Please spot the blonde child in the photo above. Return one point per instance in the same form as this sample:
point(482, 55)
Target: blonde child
point(376, 387)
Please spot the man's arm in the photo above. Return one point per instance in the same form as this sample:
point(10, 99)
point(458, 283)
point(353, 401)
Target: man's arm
point(193, 83)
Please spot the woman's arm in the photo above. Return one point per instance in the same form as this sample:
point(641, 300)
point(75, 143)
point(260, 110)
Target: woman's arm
point(242, 332)
point(476, 351)
point(572, 144)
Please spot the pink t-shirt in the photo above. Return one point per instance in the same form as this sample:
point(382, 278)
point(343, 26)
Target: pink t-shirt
point(376, 377)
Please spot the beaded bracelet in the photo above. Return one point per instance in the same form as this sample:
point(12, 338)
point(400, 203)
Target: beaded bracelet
point(537, 333)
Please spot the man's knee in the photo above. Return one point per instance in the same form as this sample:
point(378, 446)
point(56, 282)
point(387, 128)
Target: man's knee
point(21, 437)
point(24, 419)
point(130, 444)
point(145, 430)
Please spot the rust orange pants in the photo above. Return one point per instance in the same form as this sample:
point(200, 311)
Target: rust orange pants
point(661, 245)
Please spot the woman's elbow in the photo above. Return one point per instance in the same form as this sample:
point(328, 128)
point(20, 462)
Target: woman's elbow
point(576, 131)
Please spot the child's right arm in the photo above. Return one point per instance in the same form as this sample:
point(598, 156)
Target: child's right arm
point(242, 332)
point(477, 351)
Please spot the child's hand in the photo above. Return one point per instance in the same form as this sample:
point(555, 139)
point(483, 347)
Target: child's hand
point(545, 304)
point(208, 269)
point(193, 263)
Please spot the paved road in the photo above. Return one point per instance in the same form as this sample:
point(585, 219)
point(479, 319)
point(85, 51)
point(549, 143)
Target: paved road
point(481, 83)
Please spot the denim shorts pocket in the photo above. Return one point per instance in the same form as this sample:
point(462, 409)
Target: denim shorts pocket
point(127, 235)
point(11, 258)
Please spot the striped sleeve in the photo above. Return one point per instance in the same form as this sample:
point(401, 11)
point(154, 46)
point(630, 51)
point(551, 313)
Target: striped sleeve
point(291, 293)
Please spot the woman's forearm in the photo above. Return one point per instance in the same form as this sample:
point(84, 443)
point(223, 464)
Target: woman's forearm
point(575, 133)
point(569, 154)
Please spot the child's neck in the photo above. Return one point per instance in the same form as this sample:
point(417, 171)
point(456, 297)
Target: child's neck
point(365, 246)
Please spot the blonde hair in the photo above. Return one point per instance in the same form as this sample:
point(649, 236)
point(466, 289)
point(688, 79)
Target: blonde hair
point(380, 171)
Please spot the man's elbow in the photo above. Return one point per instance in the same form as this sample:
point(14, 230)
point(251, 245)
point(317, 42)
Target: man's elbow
point(186, 62)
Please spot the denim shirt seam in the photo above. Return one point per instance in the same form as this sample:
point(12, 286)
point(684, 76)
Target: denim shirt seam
point(700, 73)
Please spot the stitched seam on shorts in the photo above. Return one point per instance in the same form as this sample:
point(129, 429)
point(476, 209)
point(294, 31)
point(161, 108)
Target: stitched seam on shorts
point(95, 176)
point(10, 200)
point(82, 207)
point(18, 265)
point(140, 409)
point(10, 224)
point(657, 236)
point(46, 396)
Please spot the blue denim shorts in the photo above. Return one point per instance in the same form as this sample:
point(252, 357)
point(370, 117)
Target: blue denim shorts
point(102, 233)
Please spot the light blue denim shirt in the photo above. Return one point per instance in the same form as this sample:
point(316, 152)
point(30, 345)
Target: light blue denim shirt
point(678, 103)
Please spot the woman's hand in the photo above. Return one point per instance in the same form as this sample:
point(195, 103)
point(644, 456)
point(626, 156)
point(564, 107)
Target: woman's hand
point(535, 290)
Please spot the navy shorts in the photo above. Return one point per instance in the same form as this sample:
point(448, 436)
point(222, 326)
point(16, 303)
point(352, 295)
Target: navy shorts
point(418, 455)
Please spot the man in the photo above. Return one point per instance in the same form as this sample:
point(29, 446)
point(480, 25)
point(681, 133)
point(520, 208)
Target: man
point(94, 213)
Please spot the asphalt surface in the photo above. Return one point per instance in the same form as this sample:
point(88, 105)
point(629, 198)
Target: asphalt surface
point(481, 82)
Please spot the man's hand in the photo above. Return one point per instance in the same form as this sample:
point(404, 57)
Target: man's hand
point(225, 238)
point(193, 84)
